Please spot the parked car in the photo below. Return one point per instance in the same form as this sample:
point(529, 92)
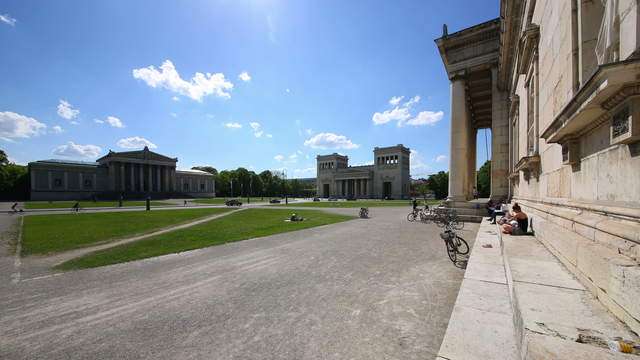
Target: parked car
point(274, 201)
point(316, 199)
point(351, 198)
point(332, 198)
point(233, 202)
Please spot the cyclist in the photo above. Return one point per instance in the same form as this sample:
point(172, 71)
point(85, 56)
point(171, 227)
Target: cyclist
point(415, 204)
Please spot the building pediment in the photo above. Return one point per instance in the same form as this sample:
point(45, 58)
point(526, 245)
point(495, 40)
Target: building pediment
point(142, 155)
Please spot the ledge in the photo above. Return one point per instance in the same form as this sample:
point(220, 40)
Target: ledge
point(590, 106)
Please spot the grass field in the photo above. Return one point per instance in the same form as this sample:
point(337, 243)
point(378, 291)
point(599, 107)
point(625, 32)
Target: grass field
point(357, 204)
point(242, 225)
point(223, 200)
point(86, 204)
point(44, 234)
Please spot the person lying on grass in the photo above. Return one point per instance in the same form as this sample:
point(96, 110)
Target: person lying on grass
point(295, 217)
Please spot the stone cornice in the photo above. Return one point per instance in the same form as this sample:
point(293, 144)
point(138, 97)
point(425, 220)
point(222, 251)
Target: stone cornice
point(511, 15)
point(528, 44)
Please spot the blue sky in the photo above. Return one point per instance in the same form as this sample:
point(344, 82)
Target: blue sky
point(263, 84)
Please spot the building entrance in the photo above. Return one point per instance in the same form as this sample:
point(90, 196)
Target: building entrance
point(386, 190)
point(325, 190)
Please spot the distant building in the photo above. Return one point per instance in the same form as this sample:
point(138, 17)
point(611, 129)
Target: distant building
point(132, 174)
point(307, 181)
point(388, 177)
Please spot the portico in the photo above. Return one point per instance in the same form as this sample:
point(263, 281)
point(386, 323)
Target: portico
point(139, 171)
point(471, 58)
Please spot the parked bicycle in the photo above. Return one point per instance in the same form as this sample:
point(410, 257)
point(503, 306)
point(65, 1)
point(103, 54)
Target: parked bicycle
point(364, 213)
point(454, 243)
point(414, 215)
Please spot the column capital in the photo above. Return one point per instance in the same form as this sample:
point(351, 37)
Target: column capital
point(457, 76)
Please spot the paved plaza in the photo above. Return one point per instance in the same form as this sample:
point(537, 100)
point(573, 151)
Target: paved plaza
point(378, 288)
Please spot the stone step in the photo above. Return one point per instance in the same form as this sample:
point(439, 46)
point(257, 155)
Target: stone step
point(554, 316)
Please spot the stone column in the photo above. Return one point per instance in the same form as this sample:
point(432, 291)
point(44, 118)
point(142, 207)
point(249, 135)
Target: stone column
point(95, 182)
point(472, 166)
point(33, 179)
point(132, 170)
point(459, 151)
point(499, 141)
point(123, 186)
point(66, 181)
point(159, 178)
point(111, 186)
point(81, 181)
point(141, 171)
point(150, 177)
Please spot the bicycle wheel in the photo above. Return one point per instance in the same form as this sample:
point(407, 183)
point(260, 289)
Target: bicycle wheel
point(457, 224)
point(461, 245)
point(451, 250)
point(411, 217)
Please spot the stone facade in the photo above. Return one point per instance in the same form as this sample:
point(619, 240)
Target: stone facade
point(558, 82)
point(132, 174)
point(388, 177)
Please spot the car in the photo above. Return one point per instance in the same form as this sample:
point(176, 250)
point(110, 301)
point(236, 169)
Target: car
point(316, 199)
point(274, 201)
point(351, 198)
point(233, 202)
point(332, 198)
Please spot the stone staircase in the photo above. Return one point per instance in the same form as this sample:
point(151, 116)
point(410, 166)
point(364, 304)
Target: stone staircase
point(517, 301)
point(469, 211)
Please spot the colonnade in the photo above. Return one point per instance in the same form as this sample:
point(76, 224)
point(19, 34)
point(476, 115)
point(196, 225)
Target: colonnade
point(354, 187)
point(139, 177)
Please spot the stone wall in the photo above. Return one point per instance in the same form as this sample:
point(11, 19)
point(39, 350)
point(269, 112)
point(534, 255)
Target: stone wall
point(587, 213)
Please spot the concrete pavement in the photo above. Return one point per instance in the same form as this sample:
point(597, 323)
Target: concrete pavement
point(378, 288)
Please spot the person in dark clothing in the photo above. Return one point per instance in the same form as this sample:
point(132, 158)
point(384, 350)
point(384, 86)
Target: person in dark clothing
point(415, 204)
point(76, 207)
point(518, 223)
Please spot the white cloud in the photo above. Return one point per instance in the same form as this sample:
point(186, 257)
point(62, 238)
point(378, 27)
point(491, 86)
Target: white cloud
point(244, 76)
point(416, 164)
point(309, 131)
point(257, 130)
point(74, 150)
point(135, 143)
point(402, 114)
point(279, 157)
point(330, 141)
point(365, 164)
point(398, 114)
point(425, 118)
point(412, 101)
point(14, 125)
point(233, 125)
point(198, 87)
point(115, 122)
point(57, 129)
point(98, 121)
point(172, 114)
point(287, 90)
point(66, 110)
point(395, 100)
point(175, 98)
point(440, 158)
point(8, 19)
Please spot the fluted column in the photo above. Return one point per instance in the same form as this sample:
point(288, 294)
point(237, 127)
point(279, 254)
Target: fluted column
point(459, 150)
point(150, 177)
point(499, 141)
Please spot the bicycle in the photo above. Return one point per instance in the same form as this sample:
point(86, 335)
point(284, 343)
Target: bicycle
point(364, 213)
point(413, 215)
point(454, 244)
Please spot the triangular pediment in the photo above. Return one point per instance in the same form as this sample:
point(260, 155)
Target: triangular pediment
point(144, 154)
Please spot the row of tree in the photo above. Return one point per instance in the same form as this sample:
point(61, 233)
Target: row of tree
point(242, 182)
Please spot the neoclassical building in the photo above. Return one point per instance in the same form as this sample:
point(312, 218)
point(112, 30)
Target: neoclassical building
point(132, 174)
point(388, 177)
point(558, 84)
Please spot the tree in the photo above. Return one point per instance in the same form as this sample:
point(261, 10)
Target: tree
point(14, 179)
point(484, 180)
point(439, 184)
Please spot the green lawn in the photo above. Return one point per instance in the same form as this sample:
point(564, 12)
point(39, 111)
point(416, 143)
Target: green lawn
point(86, 204)
point(223, 200)
point(242, 225)
point(44, 234)
point(357, 204)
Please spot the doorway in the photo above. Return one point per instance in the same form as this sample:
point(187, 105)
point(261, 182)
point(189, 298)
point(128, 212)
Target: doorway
point(386, 190)
point(325, 190)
